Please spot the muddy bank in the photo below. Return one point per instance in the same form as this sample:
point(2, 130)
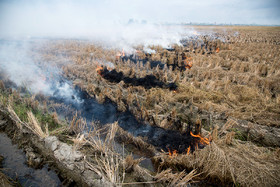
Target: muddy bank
point(67, 162)
point(14, 165)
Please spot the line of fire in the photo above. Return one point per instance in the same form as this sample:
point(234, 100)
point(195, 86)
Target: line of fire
point(192, 138)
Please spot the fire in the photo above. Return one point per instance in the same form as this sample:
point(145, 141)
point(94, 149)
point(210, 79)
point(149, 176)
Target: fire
point(204, 141)
point(172, 153)
point(188, 150)
point(194, 146)
point(99, 69)
point(217, 50)
point(188, 62)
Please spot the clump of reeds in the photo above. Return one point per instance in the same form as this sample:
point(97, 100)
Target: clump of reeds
point(77, 125)
point(35, 127)
point(108, 166)
point(15, 116)
point(130, 164)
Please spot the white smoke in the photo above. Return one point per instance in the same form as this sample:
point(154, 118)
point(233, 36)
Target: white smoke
point(20, 68)
point(17, 64)
point(111, 23)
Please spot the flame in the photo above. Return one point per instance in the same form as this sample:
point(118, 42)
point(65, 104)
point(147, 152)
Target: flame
point(99, 69)
point(123, 54)
point(188, 62)
point(204, 141)
point(188, 150)
point(217, 50)
point(172, 153)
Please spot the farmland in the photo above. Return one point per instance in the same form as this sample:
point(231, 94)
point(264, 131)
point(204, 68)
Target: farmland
point(217, 91)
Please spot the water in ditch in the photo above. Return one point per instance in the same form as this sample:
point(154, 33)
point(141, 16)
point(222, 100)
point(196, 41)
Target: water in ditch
point(14, 165)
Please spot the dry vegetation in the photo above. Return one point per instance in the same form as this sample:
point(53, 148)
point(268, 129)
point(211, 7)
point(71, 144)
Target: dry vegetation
point(241, 80)
point(236, 77)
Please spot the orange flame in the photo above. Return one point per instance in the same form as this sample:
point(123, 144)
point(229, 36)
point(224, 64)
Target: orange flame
point(188, 150)
point(99, 69)
point(217, 50)
point(172, 153)
point(204, 141)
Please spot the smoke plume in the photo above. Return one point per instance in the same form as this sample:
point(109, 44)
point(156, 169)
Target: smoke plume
point(111, 23)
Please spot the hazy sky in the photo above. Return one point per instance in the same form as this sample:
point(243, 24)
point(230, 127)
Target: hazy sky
point(49, 17)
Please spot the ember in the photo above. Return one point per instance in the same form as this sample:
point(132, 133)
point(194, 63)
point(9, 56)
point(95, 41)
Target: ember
point(217, 50)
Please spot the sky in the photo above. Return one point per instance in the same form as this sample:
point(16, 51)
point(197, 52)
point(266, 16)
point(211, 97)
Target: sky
point(85, 17)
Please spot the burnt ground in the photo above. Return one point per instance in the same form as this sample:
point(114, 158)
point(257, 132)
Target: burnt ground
point(148, 82)
point(107, 113)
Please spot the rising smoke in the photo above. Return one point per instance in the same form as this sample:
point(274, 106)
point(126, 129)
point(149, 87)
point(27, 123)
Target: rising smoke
point(20, 68)
point(109, 23)
point(18, 64)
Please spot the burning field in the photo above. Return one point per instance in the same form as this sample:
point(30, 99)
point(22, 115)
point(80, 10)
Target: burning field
point(204, 111)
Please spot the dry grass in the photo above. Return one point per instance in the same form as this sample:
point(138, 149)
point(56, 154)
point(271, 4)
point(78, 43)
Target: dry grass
point(78, 141)
point(6, 181)
point(108, 162)
point(108, 165)
point(103, 145)
point(176, 179)
point(15, 116)
point(243, 164)
point(35, 127)
point(241, 80)
point(77, 125)
point(32, 124)
point(130, 164)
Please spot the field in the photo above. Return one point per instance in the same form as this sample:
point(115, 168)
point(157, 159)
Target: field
point(219, 91)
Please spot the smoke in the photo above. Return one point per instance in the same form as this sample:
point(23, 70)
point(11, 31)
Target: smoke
point(18, 64)
point(112, 23)
point(20, 68)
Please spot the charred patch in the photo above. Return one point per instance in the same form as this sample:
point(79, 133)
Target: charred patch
point(148, 82)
